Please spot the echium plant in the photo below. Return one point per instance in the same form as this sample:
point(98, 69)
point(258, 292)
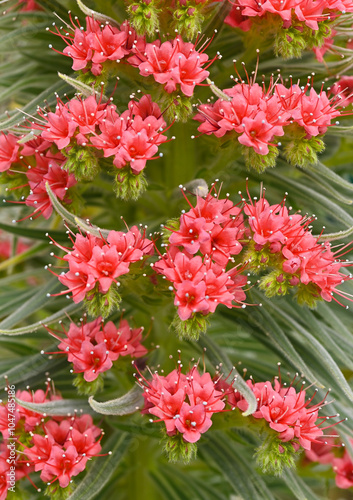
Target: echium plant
point(175, 273)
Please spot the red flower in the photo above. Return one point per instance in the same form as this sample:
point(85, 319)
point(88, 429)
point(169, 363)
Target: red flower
point(8, 151)
point(192, 422)
point(63, 465)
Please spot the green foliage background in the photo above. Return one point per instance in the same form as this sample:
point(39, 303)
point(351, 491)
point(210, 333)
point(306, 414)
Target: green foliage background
point(318, 344)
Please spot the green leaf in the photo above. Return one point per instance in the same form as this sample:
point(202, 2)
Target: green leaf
point(317, 350)
point(72, 219)
point(59, 315)
point(271, 328)
point(102, 18)
point(38, 301)
point(102, 469)
point(48, 95)
point(60, 407)
point(217, 357)
point(35, 234)
point(298, 487)
point(31, 368)
point(82, 88)
point(235, 467)
point(131, 402)
point(327, 173)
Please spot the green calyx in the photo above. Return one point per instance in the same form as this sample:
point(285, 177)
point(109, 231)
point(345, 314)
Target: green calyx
point(289, 42)
point(129, 186)
point(260, 162)
point(178, 450)
point(276, 283)
point(188, 19)
point(102, 304)
point(191, 328)
point(144, 17)
point(81, 162)
point(178, 107)
point(308, 295)
point(85, 388)
point(258, 260)
point(55, 492)
point(274, 455)
point(300, 151)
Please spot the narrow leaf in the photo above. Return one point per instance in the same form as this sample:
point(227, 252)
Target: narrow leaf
point(102, 18)
point(60, 407)
point(298, 487)
point(38, 301)
point(125, 405)
point(72, 219)
point(31, 368)
point(63, 313)
point(102, 469)
point(327, 173)
point(82, 88)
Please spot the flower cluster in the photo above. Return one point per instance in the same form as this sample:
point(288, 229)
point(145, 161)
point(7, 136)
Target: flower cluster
point(92, 48)
point(199, 261)
point(81, 128)
point(295, 24)
point(257, 117)
point(185, 403)
point(29, 167)
point(93, 346)
point(288, 416)
point(58, 447)
point(283, 242)
point(176, 64)
point(96, 263)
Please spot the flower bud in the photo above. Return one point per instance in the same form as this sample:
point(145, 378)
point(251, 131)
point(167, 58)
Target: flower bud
point(81, 162)
point(301, 151)
point(178, 450)
point(274, 455)
point(85, 388)
point(260, 162)
point(102, 304)
point(129, 186)
point(191, 328)
point(144, 16)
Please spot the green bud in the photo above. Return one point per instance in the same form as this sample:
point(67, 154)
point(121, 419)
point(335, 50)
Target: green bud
point(260, 162)
point(274, 455)
point(178, 450)
point(81, 162)
point(274, 283)
point(316, 38)
point(191, 328)
point(55, 492)
point(129, 186)
point(85, 388)
point(144, 17)
point(102, 304)
point(289, 42)
point(177, 106)
point(308, 295)
point(188, 19)
point(300, 151)
point(260, 259)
